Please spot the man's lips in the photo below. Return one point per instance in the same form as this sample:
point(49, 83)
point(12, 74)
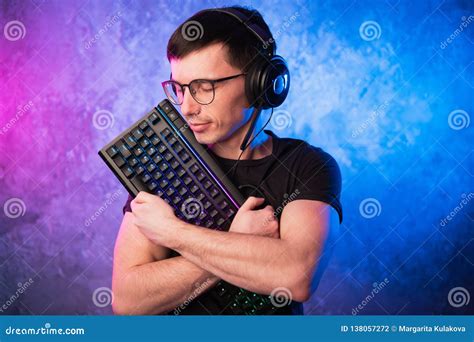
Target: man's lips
point(199, 127)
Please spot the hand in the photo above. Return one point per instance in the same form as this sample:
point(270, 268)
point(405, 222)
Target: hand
point(154, 217)
point(258, 222)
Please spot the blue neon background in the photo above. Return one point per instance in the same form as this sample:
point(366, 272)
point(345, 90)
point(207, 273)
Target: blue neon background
point(411, 156)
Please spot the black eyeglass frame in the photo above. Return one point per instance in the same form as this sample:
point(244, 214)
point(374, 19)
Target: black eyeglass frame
point(182, 86)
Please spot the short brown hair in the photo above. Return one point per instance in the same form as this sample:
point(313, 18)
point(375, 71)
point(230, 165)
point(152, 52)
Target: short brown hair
point(218, 27)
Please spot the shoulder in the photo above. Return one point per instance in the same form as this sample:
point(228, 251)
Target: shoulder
point(306, 156)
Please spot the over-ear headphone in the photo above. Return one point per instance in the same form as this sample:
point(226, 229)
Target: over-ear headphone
point(268, 79)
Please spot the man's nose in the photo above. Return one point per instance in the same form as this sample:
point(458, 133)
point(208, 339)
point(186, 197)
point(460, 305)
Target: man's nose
point(189, 107)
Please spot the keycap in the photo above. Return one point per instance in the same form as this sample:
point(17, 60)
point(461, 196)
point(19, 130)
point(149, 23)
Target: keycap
point(178, 123)
point(119, 161)
point(172, 140)
point(223, 204)
point(151, 167)
point(178, 147)
point(173, 115)
point(127, 171)
point(149, 132)
point(157, 159)
point(112, 151)
point(152, 186)
point(180, 172)
point(155, 140)
point(167, 108)
point(144, 142)
point(154, 118)
point(157, 175)
point(151, 151)
point(164, 183)
point(200, 176)
point(145, 178)
point(125, 151)
point(184, 157)
point(130, 141)
point(137, 133)
point(207, 184)
point(166, 132)
point(174, 163)
point(194, 168)
point(138, 151)
point(143, 125)
point(214, 192)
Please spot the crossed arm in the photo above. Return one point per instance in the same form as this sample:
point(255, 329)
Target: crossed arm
point(256, 263)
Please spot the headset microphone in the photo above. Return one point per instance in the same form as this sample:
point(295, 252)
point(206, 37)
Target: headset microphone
point(255, 114)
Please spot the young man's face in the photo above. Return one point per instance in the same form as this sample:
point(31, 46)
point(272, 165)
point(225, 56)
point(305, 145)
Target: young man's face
point(228, 112)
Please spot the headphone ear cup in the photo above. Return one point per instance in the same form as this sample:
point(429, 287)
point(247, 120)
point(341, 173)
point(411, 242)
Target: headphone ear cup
point(275, 82)
point(268, 82)
point(252, 82)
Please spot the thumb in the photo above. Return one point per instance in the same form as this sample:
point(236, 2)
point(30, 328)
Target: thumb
point(252, 202)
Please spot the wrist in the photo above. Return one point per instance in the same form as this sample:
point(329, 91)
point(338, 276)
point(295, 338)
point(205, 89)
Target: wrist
point(174, 238)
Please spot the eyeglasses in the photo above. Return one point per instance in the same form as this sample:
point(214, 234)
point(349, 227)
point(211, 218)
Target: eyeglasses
point(202, 90)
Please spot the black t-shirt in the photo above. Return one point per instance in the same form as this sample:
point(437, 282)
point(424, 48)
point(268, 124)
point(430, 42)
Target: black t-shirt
point(295, 170)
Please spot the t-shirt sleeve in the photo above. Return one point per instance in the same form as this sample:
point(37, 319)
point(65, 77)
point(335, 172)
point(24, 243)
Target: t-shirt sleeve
point(127, 207)
point(319, 178)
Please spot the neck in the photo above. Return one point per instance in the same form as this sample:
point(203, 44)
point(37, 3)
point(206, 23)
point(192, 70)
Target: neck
point(259, 147)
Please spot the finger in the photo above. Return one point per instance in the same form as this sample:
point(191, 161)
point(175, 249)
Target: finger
point(143, 197)
point(252, 202)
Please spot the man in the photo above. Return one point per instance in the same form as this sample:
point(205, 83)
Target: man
point(160, 261)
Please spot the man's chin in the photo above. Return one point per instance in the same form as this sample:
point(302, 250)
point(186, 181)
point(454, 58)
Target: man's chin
point(204, 139)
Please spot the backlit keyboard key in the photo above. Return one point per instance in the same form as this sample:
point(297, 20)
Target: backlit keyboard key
point(137, 133)
point(119, 161)
point(112, 151)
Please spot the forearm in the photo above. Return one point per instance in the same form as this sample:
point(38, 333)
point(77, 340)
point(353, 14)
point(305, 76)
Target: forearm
point(160, 286)
point(256, 263)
